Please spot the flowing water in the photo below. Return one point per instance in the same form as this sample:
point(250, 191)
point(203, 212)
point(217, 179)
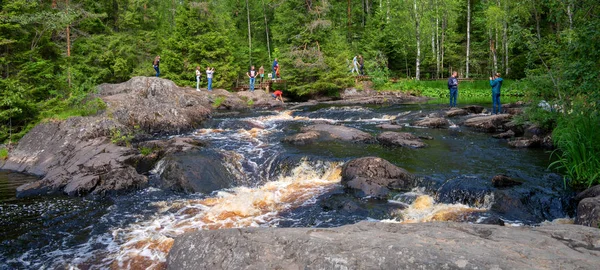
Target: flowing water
point(283, 186)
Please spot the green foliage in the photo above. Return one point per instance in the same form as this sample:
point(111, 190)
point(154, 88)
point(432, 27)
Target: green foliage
point(439, 88)
point(218, 101)
point(578, 152)
point(145, 150)
point(121, 138)
point(3, 153)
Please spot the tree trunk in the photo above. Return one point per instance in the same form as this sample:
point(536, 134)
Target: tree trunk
point(249, 33)
point(68, 46)
point(418, 36)
point(267, 30)
point(537, 21)
point(570, 14)
point(437, 38)
point(387, 13)
point(349, 17)
point(468, 35)
point(505, 44)
point(444, 25)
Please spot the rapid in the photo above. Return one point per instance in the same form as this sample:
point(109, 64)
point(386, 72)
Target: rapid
point(281, 185)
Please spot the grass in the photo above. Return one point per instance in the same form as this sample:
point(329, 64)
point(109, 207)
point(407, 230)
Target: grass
point(3, 153)
point(145, 150)
point(439, 88)
point(120, 138)
point(577, 155)
point(218, 101)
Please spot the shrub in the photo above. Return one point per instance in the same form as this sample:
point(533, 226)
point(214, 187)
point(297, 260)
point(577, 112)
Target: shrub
point(218, 101)
point(3, 153)
point(578, 150)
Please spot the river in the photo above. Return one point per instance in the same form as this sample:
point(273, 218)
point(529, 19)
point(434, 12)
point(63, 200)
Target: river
point(284, 186)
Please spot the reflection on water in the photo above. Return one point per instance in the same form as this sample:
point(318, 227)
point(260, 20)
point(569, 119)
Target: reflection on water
point(283, 184)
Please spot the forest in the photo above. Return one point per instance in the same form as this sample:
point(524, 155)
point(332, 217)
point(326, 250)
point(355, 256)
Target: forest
point(54, 52)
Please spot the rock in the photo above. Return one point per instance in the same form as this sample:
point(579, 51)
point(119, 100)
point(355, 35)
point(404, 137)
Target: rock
point(502, 181)
point(342, 133)
point(476, 109)
point(525, 142)
point(488, 123)
point(375, 177)
point(516, 128)
point(389, 126)
point(378, 245)
point(456, 112)
point(437, 122)
point(74, 157)
point(303, 138)
point(464, 189)
point(260, 98)
point(350, 205)
point(534, 130)
point(513, 111)
point(505, 135)
point(202, 171)
point(588, 193)
point(354, 96)
point(425, 137)
point(156, 105)
point(588, 212)
point(390, 138)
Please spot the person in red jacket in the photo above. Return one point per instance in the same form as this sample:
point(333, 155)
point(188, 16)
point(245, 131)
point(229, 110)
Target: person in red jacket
point(278, 95)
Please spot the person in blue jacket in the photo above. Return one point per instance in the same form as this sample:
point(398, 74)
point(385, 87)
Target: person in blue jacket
point(496, 83)
point(275, 67)
point(453, 87)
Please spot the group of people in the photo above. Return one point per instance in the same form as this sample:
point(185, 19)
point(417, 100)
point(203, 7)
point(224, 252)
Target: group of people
point(495, 83)
point(358, 61)
point(209, 76)
point(252, 74)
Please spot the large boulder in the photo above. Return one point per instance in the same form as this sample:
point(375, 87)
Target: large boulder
point(259, 98)
point(202, 171)
point(523, 142)
point(588, 212)
point(432, 122)
point(75, 157)
point(502, 181)
point(326, 132)
point(588, 193)
point(389, 126)
point(156, 105)
point(378, 245)
point(488, 123)
point(404, 139)
point(375, 177)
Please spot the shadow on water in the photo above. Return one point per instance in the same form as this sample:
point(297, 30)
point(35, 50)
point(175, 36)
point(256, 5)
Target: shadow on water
point(286, 186)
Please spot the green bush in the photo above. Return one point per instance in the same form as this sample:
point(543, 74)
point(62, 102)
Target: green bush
point(578, 150)
point(439, 88)
point(3, 153)
point(218, 101)
point(145, 150)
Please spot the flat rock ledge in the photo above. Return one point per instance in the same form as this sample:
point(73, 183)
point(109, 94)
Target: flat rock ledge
point(376, 245)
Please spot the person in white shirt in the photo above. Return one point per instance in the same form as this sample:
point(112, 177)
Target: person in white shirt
point(209, 77)
point(252, 75)
point(198, 74)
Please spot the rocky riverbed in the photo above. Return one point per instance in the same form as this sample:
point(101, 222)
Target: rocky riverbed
point(223, 160)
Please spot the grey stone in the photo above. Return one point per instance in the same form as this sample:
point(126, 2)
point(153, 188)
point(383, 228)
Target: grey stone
point(456, 112)
point(389, 126)
point(501, 181)
point(588, 212)
point(436, 122)
point(404, 139)
point(588, 193)
point(376, 245)
point(505, 135)
point(488, 123)
point(473, 109)
point(341, 133)
point(375, 177)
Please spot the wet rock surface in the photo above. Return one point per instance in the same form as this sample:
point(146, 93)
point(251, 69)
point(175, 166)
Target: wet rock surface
point(403, 139)
point(588, 212)
point(74, 157)
point(375, 177)
point(197, 170)
point(328, 132)
point(502, 181)
point(259, 98)
point(376, 245)
point(389, 126)
point(432, 122)
point(354, 96)
point(456, 112)
point(488, 123)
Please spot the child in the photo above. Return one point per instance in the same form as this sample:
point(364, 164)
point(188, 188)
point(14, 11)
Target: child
point(278, 95)
point(198, 74)
point(261, 73)
point(156, 64)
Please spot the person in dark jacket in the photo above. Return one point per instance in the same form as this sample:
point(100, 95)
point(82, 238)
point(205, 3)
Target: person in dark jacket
point(156, 64)
point(496, 84)
point(361, 62)
point(275, 67)
point(453, 87)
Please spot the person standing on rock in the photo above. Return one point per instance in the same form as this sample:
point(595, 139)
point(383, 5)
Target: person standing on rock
point(355, 64)
point(496, 83)
point(453, 87)
point(198, 74)
point(361, 62)
point(275, 68)
point(252, 75)
point(261, 73)
point(209, 77)
point(156, 64)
